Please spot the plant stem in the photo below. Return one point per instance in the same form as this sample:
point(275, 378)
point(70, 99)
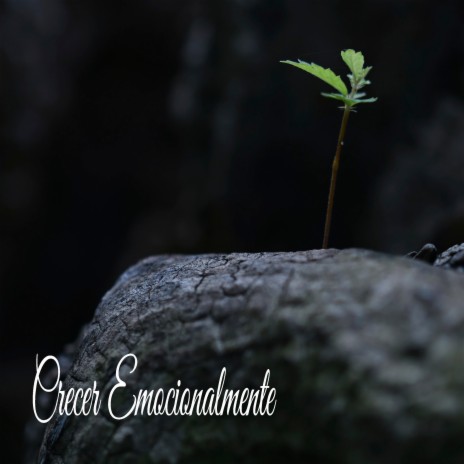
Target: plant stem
point(333, 181)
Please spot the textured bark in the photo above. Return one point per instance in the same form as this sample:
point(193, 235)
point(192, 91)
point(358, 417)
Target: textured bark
point(366, 352)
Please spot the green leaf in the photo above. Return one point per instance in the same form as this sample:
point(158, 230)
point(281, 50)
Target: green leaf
point(366, 100)
point(355, 61)
point(366, 72)
point(336, 96)
point(325, 74)
point(347, 100)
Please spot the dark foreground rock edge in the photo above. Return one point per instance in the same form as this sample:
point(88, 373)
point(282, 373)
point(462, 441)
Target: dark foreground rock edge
point(366, 352)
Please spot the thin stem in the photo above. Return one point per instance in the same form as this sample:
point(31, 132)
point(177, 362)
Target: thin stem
point(333, 181)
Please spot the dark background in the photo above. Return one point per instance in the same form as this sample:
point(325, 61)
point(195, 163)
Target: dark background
point(137, 128)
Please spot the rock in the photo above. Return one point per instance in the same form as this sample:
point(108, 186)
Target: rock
point(365, 351)
point(451, 258)
point(428, 253)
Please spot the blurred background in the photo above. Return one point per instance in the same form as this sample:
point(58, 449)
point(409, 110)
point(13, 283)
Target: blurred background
point(159, 126)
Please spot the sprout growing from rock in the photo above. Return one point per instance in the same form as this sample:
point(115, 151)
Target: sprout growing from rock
point(355, 62)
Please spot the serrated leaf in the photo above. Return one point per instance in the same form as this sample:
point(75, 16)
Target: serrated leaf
point(325, 74)
point(355, 61)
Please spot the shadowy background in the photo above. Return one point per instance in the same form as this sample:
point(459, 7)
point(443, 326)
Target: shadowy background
point(137, 128)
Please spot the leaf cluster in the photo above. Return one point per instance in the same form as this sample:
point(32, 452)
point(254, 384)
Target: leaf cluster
point(355, 62)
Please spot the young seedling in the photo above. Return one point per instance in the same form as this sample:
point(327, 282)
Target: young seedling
point(355, 62)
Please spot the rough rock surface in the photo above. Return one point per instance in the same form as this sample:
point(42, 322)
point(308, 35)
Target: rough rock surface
point(452, 258)
point(366, 352)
